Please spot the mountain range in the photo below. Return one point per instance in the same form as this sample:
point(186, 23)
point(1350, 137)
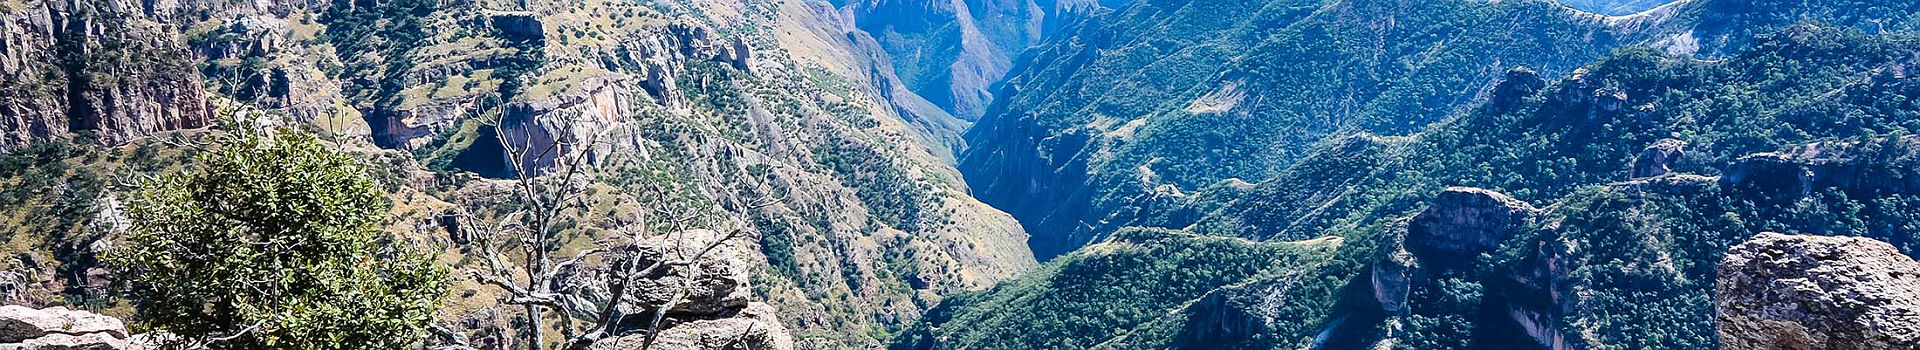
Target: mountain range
point(1026, 174)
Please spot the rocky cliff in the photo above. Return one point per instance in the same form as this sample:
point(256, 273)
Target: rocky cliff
point(94, 68)
point(1779, 291)
point(714, 311)
point(778, 116)
point(1463, 222)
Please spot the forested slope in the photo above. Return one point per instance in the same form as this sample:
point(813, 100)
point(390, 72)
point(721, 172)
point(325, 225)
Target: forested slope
point(1597, 199)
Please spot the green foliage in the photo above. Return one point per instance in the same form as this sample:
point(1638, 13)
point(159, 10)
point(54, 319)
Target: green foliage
point(274, 244)
point(1107, 290)
point(1643, 251)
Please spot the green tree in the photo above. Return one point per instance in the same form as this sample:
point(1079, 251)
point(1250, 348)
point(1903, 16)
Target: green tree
point(272, 243)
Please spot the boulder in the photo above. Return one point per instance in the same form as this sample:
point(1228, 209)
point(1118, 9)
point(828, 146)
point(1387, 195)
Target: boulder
point(59, 328)
point(713, 313)
point(1780, 291)
point(1463, 222)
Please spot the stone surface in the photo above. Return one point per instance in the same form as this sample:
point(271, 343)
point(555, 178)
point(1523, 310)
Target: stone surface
point(1659, 158)
point(125, 77)
point(1463, 222)
point(1886, 165)
point(714, 313)
point(1519, 83)
point(1780, 291)
point(59, 328)
point(755, 326)
point(518, 25)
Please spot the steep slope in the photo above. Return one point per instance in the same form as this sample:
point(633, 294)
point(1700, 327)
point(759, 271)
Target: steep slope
point(1160, 100)
point(954, 51)
point(92, 68)
point(1167, 93)
point(1112, 288)
point(770, 115)
point(1618, 189)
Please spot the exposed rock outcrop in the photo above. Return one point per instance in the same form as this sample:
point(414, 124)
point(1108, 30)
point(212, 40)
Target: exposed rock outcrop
point(1519, 83)
point(715, 283)
point(1601, 102)
point(1463, 222)
point(95, 67)
point(1780, 291)
point(59, 328)
point(753, 327)
point(518, 25)
point(1659, 158)
point(1889, 165)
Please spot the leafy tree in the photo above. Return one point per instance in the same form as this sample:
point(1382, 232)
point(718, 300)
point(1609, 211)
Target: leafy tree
point(272, 243)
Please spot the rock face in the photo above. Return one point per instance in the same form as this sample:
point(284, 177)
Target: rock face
point(752, 327)
point(1780, 291)
point(716, 282)
point(58, 328)
point(1598, 101)
point(1463, 222)
point(1658, 159)
point(1859, 168)
point(94, 67)
point(518, 25)
point(1519, 83)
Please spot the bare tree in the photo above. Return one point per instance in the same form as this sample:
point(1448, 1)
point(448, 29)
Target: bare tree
point(532, 232)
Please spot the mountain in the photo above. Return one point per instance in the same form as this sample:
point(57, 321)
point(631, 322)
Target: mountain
point(1602, 198)
point(1147, 108)
point(954, 51)
point(1162, 99)
point(69, 74)
point(1017, 174)
point(691, 108)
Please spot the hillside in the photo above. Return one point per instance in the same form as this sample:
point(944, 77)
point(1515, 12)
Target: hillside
point(768, 115)
point(953, 52)
point(958, 174)
point(1150, 107)
point(1602, 201)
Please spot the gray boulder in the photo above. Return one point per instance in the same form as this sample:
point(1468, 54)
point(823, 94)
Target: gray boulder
point(1780, 291)
point(59, 328)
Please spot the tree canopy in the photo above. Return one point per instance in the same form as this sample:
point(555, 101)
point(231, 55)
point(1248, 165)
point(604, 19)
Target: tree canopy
point(273, 243)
